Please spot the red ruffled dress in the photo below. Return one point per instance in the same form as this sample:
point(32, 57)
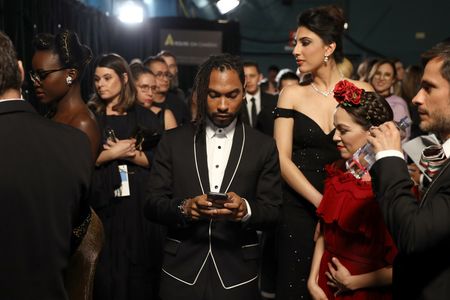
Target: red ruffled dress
point(354, 232)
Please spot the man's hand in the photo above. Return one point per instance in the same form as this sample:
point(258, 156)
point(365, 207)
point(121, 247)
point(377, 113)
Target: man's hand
point(385, 137)
point(198, 207)
point(236, 206)
point(201, 207)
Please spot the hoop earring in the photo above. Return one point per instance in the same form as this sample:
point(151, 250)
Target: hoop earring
point(69, 80)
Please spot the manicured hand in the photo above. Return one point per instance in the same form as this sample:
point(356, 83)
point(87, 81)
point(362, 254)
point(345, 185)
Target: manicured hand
point(385, 137)
point(121, 148)
point(338, 276)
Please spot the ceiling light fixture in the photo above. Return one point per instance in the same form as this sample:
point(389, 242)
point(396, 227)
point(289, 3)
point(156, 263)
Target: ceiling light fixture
point(225, 6)
point(131, 12)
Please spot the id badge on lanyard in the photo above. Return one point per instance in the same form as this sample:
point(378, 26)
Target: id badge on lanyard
point(124, 189)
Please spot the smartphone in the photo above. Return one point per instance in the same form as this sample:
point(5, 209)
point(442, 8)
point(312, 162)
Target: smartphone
point(217, 199)
point(111, 135)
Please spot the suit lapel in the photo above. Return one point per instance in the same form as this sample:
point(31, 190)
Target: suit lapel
point(436, 178)
point(233, 160)
point(202, 162)
point(244, 113)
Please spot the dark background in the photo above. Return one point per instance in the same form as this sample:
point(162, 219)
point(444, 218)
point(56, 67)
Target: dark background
point(257, 30)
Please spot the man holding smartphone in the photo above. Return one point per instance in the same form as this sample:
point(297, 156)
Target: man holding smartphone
point(214, 184)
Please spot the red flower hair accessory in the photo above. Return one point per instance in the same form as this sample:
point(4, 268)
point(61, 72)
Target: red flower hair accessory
point(348, 94)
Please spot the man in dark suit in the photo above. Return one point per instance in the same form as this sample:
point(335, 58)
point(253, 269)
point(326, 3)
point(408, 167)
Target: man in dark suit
point(258, 103)
point(44, 182)
point(421, 230)
point(212, 249)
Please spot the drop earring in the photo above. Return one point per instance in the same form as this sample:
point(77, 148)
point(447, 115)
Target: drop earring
point(325, 59)
point(69, 80)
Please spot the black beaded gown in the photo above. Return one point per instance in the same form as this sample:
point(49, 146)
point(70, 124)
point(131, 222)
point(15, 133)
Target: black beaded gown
point(312, 149)
point(129, 264)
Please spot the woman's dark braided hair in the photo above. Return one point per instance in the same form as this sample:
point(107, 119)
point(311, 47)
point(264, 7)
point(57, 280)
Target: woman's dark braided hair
point(373, 111)
point(71, 53)
point(221, 63)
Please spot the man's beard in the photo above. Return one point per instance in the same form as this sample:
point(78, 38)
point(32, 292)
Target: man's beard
point(226, 122)
point(439, 123)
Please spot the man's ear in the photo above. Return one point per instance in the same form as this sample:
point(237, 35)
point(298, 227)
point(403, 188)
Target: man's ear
point(21, 71)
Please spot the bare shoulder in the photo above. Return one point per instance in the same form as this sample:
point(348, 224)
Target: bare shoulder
point(85, 121)
point(290, 96)
point(362, 85)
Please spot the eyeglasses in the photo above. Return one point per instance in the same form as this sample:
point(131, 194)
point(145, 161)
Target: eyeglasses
point(166, 74)
point(40, 75)
point(146, 87)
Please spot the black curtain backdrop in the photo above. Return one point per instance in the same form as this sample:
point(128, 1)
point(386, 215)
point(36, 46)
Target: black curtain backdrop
point(21, 20)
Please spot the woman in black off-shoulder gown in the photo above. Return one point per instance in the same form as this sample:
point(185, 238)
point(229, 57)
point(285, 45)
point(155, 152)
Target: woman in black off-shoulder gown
point(304, 132)
point(312, 149)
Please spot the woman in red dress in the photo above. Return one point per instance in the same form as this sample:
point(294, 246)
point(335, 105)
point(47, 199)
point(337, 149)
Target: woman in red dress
point(354, 253)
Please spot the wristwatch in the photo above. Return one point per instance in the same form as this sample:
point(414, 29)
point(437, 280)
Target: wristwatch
point(182, 208)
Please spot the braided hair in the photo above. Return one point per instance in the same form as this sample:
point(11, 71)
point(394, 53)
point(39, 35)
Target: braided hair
point(373, 111)
point(221, 63)
point(71, 53)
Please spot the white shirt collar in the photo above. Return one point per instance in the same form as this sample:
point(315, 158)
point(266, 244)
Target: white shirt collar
point(212, 130)
point(446, 146)
point(12, 99)
point(257, 96)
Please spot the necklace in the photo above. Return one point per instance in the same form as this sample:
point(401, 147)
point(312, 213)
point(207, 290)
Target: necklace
point(324, 93)
point(329, 92)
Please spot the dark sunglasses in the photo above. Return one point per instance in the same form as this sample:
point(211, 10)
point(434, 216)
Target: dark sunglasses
point(40, 75)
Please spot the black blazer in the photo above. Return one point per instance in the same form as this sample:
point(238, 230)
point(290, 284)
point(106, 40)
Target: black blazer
point(265, 121)
point(45, 174)
point(234, 245)
point(421, 231)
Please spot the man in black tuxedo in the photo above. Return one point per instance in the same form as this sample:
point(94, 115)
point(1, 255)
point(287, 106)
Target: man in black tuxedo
point(421, 230)
point(212, 249)
point(44, 182)
point(259, 103)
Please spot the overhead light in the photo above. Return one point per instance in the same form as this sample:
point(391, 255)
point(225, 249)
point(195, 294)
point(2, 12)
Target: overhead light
point(131, 12)
point(225, 6)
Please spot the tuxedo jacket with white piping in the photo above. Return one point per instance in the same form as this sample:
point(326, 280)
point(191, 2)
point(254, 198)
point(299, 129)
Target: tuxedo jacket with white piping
point(252, 172)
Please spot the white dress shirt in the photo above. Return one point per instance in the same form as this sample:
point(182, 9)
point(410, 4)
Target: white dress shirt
point(218, 148)
point(257, 97)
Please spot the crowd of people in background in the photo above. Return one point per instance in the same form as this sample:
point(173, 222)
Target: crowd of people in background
point(239, 188)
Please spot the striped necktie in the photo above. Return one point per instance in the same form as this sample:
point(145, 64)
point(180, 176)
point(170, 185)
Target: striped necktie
point(432, 159)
